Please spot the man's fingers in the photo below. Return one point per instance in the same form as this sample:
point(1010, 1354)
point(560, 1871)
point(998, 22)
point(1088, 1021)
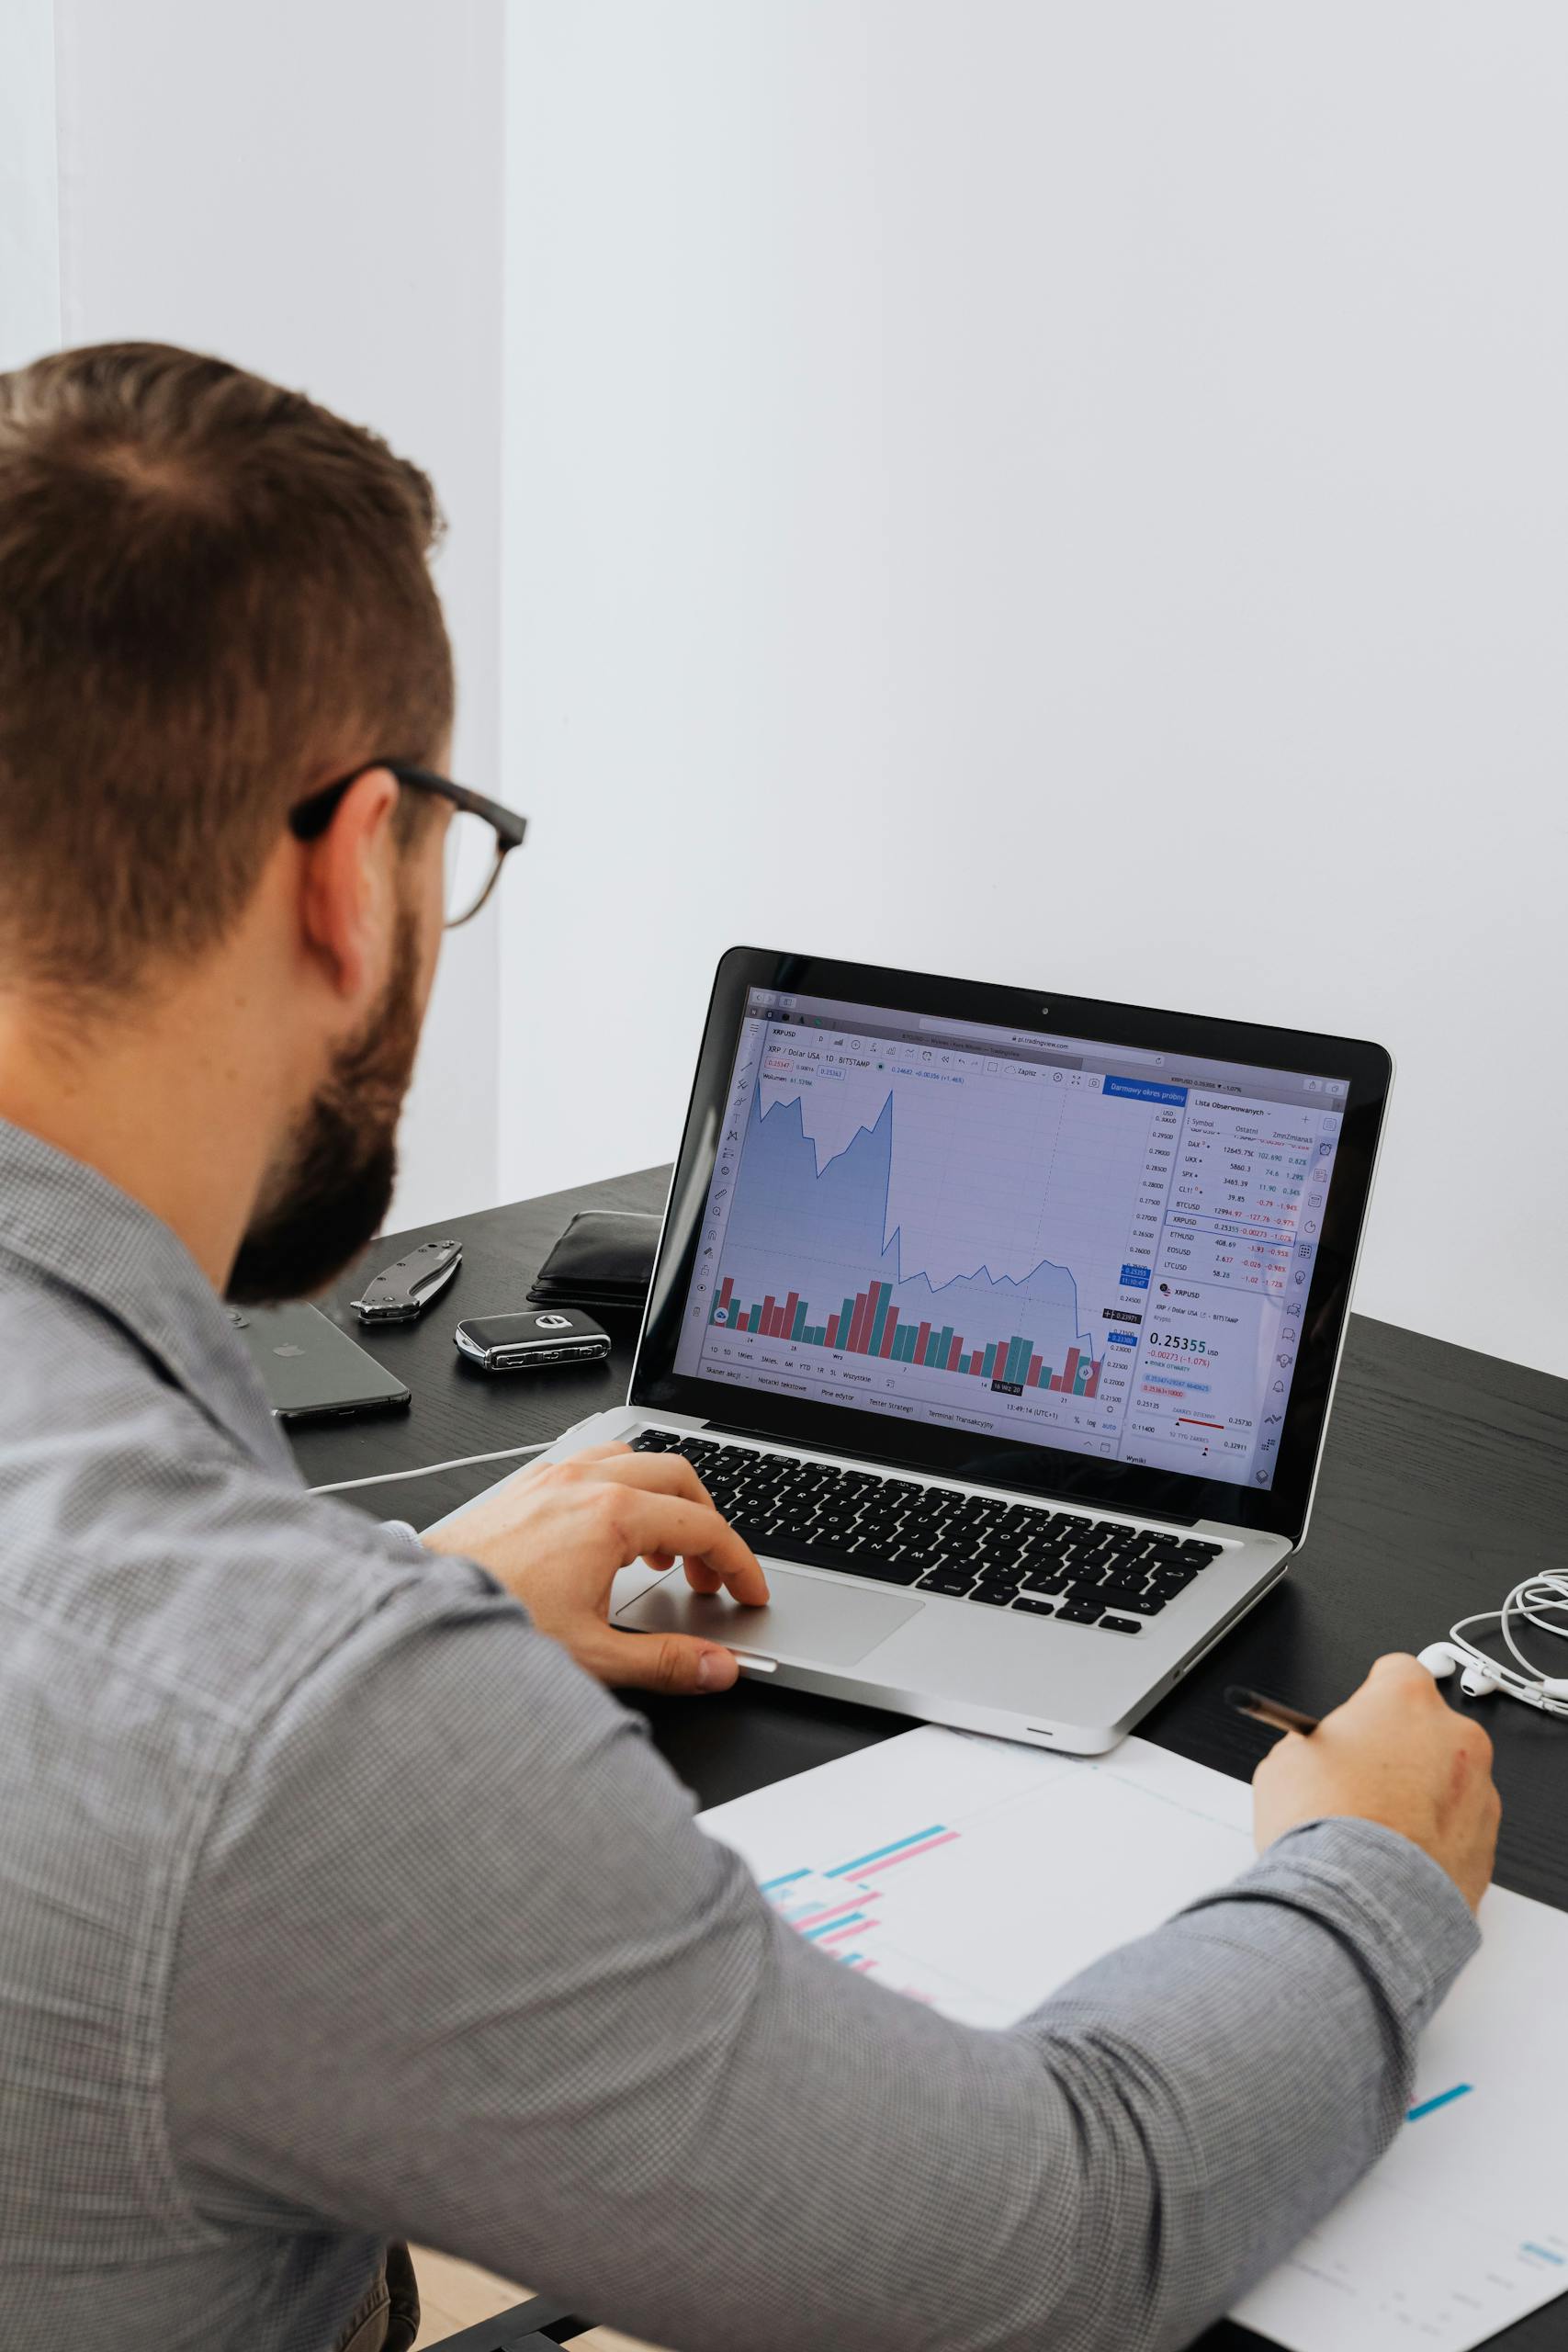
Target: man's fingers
point(674, 1662)
point(656, 1474)
point(654, 1523)
point(1398, 1670)
point(672, 1474)
point(701, 1577)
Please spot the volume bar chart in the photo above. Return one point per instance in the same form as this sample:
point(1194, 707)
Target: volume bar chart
point(867, 1324)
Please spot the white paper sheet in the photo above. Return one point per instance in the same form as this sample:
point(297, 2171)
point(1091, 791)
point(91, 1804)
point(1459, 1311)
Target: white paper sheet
point(979, 1876)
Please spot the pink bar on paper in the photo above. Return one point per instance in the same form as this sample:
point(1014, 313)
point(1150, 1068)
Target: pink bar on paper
point(850, 1934)
point(909, 1854)
point(765, 1321)
point(955, 1354)
point(832, 1338)
point(887, 1330)
point(856, 1965)
point(922, 1340)
point(833, 1911)
point(1031, 1377)
point(786, 1320)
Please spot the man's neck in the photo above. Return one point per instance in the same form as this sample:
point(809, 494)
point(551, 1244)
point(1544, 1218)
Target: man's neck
point(162, 1100)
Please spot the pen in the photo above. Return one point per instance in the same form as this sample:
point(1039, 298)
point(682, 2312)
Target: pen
point(1272, 1712)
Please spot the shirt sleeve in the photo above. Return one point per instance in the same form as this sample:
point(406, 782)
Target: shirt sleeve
point(455, 1963)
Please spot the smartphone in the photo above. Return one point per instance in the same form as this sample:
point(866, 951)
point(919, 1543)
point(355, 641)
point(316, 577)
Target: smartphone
point(546, 1335)
point(310, 1369)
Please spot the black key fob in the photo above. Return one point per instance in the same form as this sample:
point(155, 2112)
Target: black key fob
point(542, 1337)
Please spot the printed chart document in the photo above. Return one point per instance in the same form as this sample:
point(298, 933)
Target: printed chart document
point(979, 1876)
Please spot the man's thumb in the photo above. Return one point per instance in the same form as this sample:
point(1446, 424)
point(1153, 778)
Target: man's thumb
point(674, 1662)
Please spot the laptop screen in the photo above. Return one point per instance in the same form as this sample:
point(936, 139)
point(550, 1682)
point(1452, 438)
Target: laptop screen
point(1021, 1236)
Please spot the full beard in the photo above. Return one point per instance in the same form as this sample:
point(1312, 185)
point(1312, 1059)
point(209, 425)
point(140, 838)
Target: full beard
point(329, 1193)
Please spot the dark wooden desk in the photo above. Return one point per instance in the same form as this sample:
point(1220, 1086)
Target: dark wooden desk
point(1445, 1479)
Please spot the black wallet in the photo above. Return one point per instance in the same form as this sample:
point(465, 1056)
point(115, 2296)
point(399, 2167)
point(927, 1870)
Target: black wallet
point(604, 1259)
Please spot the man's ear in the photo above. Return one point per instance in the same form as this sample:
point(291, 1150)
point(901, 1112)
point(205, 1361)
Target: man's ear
point(347, 885)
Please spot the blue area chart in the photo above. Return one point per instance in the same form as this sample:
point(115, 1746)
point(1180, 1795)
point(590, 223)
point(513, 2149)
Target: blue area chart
point(807, 1256)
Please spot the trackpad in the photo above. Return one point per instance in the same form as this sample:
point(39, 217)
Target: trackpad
point(821, 1623)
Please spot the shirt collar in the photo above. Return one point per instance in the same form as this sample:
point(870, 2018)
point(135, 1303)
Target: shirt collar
point(72, 1224)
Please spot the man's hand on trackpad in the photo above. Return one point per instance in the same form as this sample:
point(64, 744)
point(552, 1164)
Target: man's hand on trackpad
point(557, 1536)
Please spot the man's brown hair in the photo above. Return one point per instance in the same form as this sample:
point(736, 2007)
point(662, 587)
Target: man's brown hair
point(214, 596)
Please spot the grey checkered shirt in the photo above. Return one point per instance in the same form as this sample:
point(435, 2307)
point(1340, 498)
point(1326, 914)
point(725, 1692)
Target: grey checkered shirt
point(336, 1905)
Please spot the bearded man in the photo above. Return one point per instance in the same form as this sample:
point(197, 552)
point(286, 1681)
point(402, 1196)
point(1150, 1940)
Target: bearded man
point(339, 1900)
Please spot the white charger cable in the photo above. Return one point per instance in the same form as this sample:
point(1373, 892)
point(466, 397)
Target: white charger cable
point(1539, 1601)
point(463, 1462)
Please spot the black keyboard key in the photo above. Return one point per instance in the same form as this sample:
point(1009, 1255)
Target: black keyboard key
point(992, 1596)
point(871, 1531)
point(1081, 1613)
point(1033, 1608)
point(1046, 1557)
point(932, 1560)
point(1051, 1587)
point(1090, 1588)
point(1144, 1604)
point(1172, 1580)
point(806, 1553)
point(830, 1529)
point(947, 1580)
point(1199, 1555)
point(991, 1554)
point(1120, 1626)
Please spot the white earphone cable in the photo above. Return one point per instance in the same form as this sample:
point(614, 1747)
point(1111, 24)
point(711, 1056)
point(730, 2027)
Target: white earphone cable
point(1541, 1601)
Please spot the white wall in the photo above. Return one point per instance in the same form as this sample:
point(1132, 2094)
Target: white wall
point(1073, 494)
point(314, 189)
point(30, 232)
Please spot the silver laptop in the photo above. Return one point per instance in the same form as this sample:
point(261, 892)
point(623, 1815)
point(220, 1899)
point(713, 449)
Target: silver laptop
point(1004, 1326)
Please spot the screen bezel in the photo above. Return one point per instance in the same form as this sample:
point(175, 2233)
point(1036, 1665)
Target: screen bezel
point(991, 1461)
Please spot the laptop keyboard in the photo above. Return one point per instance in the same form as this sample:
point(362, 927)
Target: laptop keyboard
point(970, 1547)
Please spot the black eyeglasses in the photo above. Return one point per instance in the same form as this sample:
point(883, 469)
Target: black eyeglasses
point(479, 839)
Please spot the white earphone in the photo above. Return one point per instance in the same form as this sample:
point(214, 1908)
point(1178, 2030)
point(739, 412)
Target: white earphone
point(1540, 1602)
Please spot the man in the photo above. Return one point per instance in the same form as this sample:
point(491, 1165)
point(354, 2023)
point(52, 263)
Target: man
point(337, 1905)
